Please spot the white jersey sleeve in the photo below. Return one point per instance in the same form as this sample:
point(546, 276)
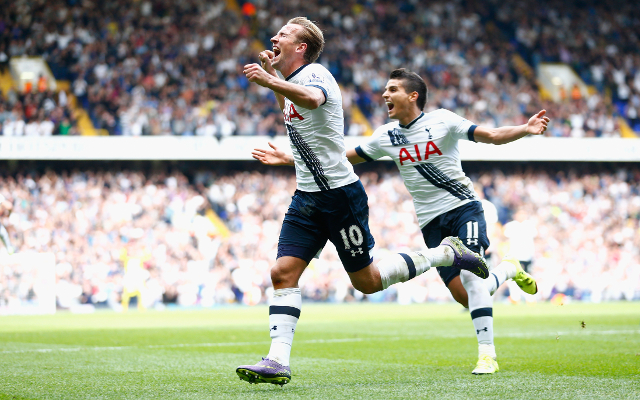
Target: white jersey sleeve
point(458, 127)
point(372, 149)
point(319, 81)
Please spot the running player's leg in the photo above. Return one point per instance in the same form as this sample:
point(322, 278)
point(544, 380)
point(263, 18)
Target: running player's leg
point(301, 238)
point(458, 291)
point(433, 233)
point(469, 224)
point(349, 231)
point(511, 268)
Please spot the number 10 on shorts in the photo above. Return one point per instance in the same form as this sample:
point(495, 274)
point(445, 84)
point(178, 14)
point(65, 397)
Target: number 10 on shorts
point(354, 237)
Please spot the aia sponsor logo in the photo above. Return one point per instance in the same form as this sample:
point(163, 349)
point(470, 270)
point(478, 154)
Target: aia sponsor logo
point(412, 154)
point(290, 113)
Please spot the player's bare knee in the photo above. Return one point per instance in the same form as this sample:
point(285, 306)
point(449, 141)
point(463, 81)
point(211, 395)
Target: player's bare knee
point(364, 287)
point(283, 277)
point(278, 276)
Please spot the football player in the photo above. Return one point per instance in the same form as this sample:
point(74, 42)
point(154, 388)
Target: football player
point(330, 202)
point(425, 149)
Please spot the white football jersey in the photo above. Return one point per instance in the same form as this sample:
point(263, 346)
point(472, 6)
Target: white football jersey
point(426, 152)
point(317, 136)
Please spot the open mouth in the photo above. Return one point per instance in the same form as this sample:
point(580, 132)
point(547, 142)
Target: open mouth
point(390, 106)
point(276, 52)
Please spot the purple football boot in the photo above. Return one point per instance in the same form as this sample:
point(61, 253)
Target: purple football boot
point(464, 258)
point(266, 371)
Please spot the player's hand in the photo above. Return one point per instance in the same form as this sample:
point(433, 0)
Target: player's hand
point(266, 58)
point(273, 156)
point(537, 124)
point(255, 73)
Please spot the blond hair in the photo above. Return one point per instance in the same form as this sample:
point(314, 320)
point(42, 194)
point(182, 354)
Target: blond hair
point(312, 36)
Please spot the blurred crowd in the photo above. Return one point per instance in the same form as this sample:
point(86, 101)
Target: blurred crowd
point(598, 41)
point(156, 67)
point(150, 234)
point(41, 113)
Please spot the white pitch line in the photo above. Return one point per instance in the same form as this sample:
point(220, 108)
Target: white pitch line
point(314, 341)
point(165, 346)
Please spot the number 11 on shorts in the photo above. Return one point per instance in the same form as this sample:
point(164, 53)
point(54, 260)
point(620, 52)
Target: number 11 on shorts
point(472, 233)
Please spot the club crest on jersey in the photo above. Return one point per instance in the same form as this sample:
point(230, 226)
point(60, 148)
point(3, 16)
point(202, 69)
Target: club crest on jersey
point(428, 130)
point(397, 138)
point(405, 153)
point(290, 112)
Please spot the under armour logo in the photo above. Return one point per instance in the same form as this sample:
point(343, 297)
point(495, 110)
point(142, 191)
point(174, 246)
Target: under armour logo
point(480, 330)
point(354, 252)
point(428, 130)
point(275, 328)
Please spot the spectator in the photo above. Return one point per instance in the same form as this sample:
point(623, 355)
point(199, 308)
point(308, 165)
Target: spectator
point(586, 247)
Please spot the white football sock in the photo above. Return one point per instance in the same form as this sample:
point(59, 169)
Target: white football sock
point(505, 270)
point(401, 267)
point(481, 307)
point(487, 349)
point(284, 313)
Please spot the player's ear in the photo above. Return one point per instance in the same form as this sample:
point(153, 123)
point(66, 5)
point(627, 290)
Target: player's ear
point(414, 96)
point(302, 47)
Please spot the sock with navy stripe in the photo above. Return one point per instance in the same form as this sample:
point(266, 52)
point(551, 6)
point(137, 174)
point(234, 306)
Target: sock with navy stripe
point(284, 313)
point(481, 307)
point(505, 270)
point(401, 267)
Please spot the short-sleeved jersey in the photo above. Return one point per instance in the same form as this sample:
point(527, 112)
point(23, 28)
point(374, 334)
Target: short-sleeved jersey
point(426, 152)
point(317, 136)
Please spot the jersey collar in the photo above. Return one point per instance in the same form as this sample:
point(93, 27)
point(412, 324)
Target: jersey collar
point(296, 72)
point(410, 124)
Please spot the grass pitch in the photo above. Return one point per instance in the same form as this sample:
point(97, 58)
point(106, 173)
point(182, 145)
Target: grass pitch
point(377, 351)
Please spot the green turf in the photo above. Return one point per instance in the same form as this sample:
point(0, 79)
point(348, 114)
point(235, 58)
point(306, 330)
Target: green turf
point(376, 351)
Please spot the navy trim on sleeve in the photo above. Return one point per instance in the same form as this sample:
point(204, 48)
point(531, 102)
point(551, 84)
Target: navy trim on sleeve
point(323, 91)
point(361, 154)
point(472, 129)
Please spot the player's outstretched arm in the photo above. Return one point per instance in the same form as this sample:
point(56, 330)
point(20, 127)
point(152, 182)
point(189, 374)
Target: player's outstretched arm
point(273, 156)
point(537, 125)
point(308, 97)
point(353, 157)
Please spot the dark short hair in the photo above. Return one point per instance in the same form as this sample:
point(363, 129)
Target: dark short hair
point(412, 82)
point(312, 36)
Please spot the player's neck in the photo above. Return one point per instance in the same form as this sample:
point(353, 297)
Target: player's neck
point(290, 69)
point(406, 120)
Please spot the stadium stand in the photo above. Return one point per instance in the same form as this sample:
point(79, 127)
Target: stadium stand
point(587, 221)
point(154, 69)
point(207, 236)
